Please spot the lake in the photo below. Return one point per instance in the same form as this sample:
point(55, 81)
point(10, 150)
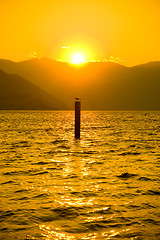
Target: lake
point(103, 186)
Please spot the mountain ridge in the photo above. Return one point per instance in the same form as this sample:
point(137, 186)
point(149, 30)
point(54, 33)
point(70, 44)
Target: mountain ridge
point(101, 86)
point(17, 93)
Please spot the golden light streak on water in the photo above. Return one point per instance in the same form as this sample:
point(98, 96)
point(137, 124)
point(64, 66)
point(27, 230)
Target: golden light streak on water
point(105, 186)
point(48, 233)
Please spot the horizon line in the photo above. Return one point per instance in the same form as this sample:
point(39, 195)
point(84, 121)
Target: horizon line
point(83, 63)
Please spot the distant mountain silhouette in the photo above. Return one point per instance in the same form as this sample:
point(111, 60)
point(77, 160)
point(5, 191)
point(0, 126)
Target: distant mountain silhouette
point(101, 86)
point(16, 93)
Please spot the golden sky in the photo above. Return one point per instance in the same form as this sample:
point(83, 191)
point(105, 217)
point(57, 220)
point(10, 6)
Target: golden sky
point(125, 31)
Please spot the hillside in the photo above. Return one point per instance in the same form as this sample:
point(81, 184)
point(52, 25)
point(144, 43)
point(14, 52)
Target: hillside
point(102, 86)
point(18, 93)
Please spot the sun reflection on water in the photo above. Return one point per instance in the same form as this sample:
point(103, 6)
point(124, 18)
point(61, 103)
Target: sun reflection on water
point(49, 232)
point(54, 234)
point(94, 188)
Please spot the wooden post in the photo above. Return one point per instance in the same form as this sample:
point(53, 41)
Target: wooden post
point(77, 118)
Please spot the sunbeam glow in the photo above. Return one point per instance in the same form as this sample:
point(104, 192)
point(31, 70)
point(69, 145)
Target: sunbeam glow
point(78, 58)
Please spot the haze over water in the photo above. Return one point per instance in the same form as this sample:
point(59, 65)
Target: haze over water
point(103, 186)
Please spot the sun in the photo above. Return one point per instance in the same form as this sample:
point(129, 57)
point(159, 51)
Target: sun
point(77, 54)
point(78, 58)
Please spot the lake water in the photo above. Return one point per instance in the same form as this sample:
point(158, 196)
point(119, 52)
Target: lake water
point(103, 186)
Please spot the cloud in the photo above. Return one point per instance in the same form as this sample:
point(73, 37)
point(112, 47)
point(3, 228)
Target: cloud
point(33, 54)
point(65, 47)
point(115, 59)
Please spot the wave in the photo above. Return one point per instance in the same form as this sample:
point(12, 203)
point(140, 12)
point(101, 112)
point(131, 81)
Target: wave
point(126, 175)
point(41, 163)
point(17, 173)
point(42, 195)
point(129, 153)
point(21, 191)
point(144, 179)
point(39, 173)
point(152, 192)
point(55, 142)
point(8, 182)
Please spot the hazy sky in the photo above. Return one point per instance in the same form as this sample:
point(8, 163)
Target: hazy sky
point(127, 31)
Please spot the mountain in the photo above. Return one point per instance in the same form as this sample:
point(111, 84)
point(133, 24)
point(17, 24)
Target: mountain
point(18, 93)
point(101, 86)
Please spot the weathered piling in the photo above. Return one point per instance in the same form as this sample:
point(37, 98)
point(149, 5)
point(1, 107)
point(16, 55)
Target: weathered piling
point(77, 117)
